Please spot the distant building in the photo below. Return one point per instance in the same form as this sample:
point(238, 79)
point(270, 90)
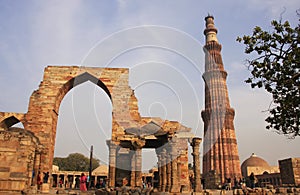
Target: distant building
point(55, 168)
point(290, 171)
point(269, 178)
point(68, 178)
point(257, 165)
point(264, 173)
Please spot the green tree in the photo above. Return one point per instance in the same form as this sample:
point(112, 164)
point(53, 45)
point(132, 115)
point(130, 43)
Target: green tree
point(275, 66)
point(75, 162)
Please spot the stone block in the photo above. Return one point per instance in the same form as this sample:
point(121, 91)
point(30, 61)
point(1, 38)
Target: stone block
point(45, 188)
point(281, 190)
point(4, 174)
point(17, 175)
point(101, 192)
point(4, 169)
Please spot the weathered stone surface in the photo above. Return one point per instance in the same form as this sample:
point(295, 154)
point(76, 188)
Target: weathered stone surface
point(281, 190)
point(20, 149)
point(33, 151)
point(290, 171)
point(4, 169)
point(220, 151)
point(8, 119)
point(17, 175)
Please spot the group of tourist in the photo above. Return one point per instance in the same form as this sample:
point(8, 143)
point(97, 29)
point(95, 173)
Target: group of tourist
point(82, 183)
point(240, 183)
point(237, 183)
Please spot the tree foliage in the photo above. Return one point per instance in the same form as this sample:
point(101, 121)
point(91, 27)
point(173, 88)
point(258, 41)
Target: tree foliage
point(75, 162)
point(276, 67)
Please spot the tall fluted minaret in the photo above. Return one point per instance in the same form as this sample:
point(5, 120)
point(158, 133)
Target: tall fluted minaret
point(220, 150)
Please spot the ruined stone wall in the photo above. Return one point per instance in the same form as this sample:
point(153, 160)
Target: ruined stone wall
point(43, 109)
point(290, 171)
point(41, 120)
point(17, 153)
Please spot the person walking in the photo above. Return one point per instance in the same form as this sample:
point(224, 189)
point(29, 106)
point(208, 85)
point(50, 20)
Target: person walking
point(39, 181)
point(252, 180)
point(83, 181)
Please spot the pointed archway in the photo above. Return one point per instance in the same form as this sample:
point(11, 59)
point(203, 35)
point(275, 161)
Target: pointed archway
point(43, 109)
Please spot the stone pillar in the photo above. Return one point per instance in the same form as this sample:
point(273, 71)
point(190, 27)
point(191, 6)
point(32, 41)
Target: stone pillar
point(159, 164)
point(163, 170)
point(174, 173)
point(168, 170)
point(138, 167)
point(37, 167)
point(65, 179)
point(179, 171)
point(112, 163)
point(196, 160)
point(137, 145)
point(133, 169)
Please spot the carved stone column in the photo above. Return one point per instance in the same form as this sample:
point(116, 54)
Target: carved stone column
point(138, 167)
point(112, 163)
point(138, 145)
point(196, 160)
point(174, 173)
point(159, 164)
point(168, 170)
point(132, 176)
point(179, 170)
point(163, 170)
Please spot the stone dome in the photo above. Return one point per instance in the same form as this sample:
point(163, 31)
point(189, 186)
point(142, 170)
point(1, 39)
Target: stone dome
point(255, 161)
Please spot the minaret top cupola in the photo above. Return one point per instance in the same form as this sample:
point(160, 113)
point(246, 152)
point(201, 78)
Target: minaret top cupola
point(210, 31)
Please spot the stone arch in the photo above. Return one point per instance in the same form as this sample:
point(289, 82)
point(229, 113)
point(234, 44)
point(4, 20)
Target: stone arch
point(7, 120)
point(44, 104)
point(82, 78)
point(73, 83)
point(41, 120)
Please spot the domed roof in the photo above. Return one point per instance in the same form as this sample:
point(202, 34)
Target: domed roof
point(255, 161)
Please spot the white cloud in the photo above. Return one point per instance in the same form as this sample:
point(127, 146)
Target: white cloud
point(274, 8)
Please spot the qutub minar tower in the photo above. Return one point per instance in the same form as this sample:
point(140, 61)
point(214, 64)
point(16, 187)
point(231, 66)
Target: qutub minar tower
point(220, 151)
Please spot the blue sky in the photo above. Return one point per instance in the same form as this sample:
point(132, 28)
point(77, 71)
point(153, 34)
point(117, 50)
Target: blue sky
point(34, 34)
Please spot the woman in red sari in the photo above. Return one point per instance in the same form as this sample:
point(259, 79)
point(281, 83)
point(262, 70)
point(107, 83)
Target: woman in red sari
point(83, 180)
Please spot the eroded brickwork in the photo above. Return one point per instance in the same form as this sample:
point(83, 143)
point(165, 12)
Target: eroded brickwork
point(41, 120)
point(290, 171)
point(58, 80)
point(18, 149)
point(8, 119)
